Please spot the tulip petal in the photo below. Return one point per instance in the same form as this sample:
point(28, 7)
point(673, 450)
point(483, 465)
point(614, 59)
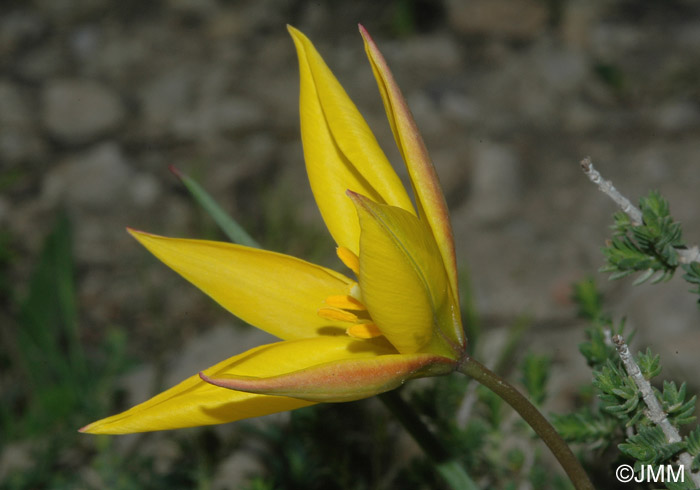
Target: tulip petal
point(274, 292)
point(194, 402)
point(339, 148)
point(341, 381)
point(426, 186)
point(403, 281)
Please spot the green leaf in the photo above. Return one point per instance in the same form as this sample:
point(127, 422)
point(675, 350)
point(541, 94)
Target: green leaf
point(48, 313)
point(619, 394)
point(585, 426)
point(228, 225)
point(649, 364)
point(649, 446)
point(48, 344)
point(494, 405)
point(685, 485)
point(692, 441)
point(650, 247)
point(680, 412)
point(596, 350)
point(588, 299)
point(692, 275)
point(535, 372)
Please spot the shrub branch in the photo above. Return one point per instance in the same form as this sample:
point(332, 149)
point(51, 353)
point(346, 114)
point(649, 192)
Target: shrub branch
point(655, 411)
point(685, 255)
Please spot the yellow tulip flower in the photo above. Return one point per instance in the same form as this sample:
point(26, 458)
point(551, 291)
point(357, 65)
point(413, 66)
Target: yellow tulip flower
point(342, 339)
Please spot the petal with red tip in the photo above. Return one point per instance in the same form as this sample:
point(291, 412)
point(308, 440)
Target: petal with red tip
point(426, 186)
point(195, 402)
point(343, 380)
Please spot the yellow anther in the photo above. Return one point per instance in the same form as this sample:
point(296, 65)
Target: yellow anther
point(349, 259)
point(345, 302)
point(364, 331)
point(337, 314)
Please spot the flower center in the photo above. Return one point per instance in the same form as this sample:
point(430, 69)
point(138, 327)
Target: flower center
point(349, 307)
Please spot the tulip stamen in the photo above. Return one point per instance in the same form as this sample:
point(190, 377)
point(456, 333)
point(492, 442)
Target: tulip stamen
point(348, 308)
point(345, 302)
point(364, 331)
point(338, 314)
point(349, 258)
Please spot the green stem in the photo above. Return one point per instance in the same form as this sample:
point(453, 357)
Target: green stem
point(532, 416)
point(453, 472)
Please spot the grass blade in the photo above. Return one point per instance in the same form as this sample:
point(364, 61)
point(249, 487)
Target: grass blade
point(228, 225)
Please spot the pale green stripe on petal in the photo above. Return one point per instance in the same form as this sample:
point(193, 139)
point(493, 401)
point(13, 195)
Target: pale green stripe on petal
point(403, 281)
point(343, 380)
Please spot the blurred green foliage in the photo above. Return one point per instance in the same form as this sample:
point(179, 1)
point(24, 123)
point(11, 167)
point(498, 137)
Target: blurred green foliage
point(54, 385)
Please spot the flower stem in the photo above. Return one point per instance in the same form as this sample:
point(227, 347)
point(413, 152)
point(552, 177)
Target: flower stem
point(453, 472)
point(532, 416)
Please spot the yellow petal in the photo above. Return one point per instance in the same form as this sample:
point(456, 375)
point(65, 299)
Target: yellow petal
point(194, 402)
point(274, 292)
point(426, 186)
point(352, 378)
point(403, 282)
point(339, 148)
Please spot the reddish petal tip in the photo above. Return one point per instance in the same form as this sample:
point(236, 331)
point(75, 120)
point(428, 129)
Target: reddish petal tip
point(131, 231)
point(175, 171)
point(365, 34)
point(221, 383)
point(356, 197)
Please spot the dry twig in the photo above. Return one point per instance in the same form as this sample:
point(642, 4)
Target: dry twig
point(685, 255)
point(655, 411)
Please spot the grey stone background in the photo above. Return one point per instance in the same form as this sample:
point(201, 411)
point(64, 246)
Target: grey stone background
point(97, 98)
